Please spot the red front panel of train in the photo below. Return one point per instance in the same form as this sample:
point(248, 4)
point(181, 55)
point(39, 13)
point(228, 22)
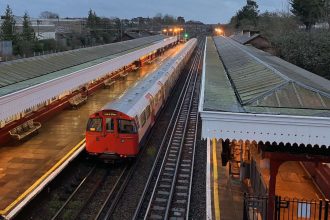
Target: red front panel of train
point(112, 134)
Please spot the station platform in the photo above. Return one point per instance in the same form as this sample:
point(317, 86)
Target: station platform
point(225, 191)
point(292, 181)
point(26, 167)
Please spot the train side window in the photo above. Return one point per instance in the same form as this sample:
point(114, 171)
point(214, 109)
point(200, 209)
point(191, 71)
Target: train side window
point(109, 125)
point(94, 124)
point(126, 127)
point(137, 121)
point(151, 102)
point(147, 112)
point(159, 96)
point(142, 118)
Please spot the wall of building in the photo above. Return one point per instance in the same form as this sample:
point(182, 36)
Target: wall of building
point(6, 49)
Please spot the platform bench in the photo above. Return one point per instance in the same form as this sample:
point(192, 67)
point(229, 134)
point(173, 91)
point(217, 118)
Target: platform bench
point(109, 82)
point(25, 129)
point(135, 68)
point(78, 99)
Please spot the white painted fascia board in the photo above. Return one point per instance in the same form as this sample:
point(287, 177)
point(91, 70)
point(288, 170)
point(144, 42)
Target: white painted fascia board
point(202, 88)
point(262, 127)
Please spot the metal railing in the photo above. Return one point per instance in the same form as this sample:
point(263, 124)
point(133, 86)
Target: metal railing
point(255, 208)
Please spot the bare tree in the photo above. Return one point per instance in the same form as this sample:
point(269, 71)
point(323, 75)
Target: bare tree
point(48, 15)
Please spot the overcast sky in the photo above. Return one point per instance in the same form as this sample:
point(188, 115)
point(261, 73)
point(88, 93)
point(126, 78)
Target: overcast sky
point(207, 11)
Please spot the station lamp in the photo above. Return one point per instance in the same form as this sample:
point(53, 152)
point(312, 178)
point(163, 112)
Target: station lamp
point(218, 31)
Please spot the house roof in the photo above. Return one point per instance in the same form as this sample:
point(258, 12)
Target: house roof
point(135, 35)
point(244, 38)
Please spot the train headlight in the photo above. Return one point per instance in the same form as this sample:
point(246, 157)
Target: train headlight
point(122, 140)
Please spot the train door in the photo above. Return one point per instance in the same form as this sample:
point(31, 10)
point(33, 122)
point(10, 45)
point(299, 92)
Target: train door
point(152, 108)
point(128, 138)
point(96, 141)
point(110, 133)
point(162, 92)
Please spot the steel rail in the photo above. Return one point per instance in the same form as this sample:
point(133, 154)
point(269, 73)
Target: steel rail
point(164, 140)
point(194, 67)
point(74, 193)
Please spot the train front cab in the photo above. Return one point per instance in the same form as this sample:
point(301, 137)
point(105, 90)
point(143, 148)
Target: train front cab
point(111, 135)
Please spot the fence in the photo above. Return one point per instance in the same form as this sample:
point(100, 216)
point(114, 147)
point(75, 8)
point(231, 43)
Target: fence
point(255, 208)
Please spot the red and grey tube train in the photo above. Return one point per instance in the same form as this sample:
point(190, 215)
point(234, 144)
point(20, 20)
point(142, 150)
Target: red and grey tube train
point(119, 128)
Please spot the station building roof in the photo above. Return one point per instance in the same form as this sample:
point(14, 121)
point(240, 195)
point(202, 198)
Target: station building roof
point(23, 73)
point(248, 94)
point(240, 78)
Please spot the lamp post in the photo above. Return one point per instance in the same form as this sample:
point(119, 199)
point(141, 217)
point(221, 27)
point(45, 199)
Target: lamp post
point(165, 31)
point(218, 31)
point(171, 30)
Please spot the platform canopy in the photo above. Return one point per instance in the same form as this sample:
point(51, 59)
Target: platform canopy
point(71, 78)
point(23, 69)
point(248, 94)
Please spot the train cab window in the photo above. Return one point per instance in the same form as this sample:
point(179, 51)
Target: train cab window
point(109, 125)
point(94, 124)
point(126, 127)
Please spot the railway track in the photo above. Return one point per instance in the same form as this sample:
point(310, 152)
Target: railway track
point(107, 211)
point(99, 180)
point(169, 183)
point(79, 204)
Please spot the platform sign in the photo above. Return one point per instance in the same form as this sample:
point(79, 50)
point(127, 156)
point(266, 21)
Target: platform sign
point(304, 210)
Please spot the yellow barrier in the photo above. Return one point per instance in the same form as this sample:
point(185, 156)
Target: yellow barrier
point(215, 181)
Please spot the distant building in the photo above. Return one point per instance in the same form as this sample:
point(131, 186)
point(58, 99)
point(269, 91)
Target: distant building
point(317, 25)
point(49, 28)
point(69, 25)
point(43, 29)
point(254, 38)
point(181, 20)
point(130, 35)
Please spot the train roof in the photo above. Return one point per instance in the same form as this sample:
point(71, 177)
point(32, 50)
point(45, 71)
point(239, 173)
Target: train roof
point(133, 102)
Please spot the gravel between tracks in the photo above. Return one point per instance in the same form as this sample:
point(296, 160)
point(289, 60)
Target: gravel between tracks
point(45, 205)
point(198, 191)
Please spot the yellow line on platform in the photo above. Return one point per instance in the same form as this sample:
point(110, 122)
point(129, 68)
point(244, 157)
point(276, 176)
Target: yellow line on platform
point(36, 183)
point(215, 181)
